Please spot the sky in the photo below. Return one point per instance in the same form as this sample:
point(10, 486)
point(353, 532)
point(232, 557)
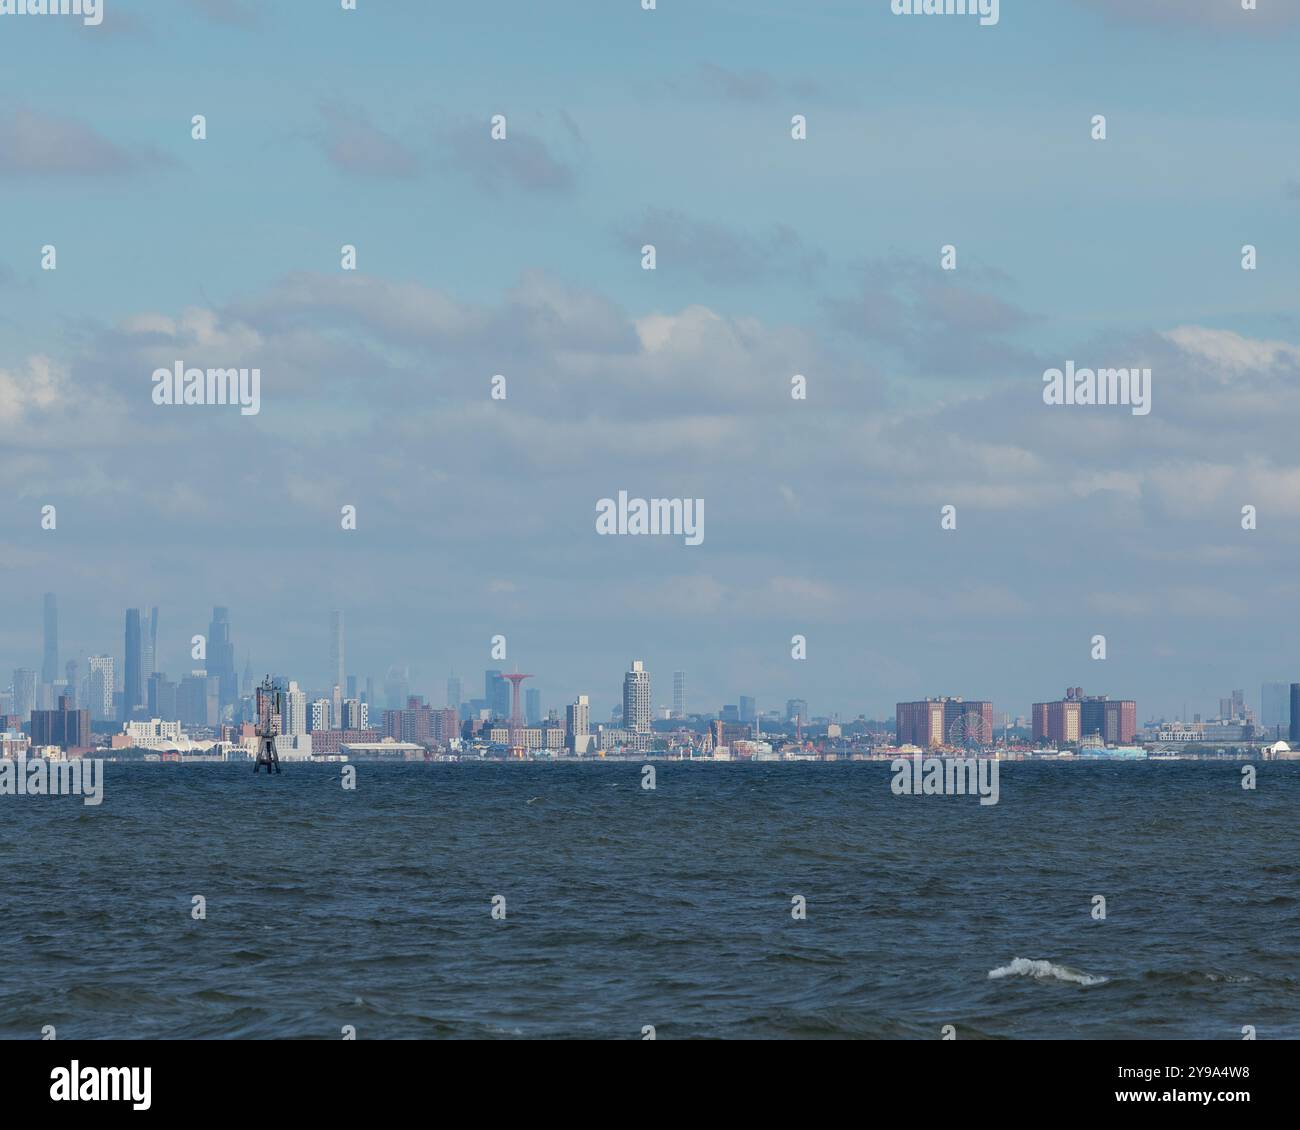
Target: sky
point(475, 517)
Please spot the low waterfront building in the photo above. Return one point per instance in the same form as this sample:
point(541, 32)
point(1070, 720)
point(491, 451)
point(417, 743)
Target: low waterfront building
point(293, 747)
point(14, 744)
point(151, 734)
point(386, 750)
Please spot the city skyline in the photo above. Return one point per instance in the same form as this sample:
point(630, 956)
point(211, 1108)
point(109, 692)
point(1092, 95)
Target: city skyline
point(538, 702)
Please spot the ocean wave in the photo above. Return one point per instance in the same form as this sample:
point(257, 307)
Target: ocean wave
point(1044, 971)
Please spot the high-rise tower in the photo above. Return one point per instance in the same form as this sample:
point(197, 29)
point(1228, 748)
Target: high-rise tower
point(50, 662)
point(221, 656)
point(636, 705)
point(133, 671)
point(578, 725)
point(102, 680)
point(149, 646)
point(337, 657)
point(24, 692)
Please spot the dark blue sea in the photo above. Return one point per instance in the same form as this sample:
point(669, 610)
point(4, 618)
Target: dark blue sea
point(671, 908)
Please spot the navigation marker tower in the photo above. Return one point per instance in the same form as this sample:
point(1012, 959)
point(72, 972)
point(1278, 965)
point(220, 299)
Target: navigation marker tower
point(270, 707)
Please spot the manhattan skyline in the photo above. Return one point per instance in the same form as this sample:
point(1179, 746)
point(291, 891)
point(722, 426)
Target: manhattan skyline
point(672, 692)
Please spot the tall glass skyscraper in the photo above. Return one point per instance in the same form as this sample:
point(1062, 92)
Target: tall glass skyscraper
point(24, 693)
point(149, 645)
point(496, 690)
point(1273, 706)
point(221, 657)
point(132, 673)
point(99, 699)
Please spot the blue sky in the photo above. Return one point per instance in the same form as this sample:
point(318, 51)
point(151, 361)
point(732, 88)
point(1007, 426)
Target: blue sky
point(820, 257)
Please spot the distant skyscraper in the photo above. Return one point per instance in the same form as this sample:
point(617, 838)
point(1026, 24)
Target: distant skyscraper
point(796, 710)
point(748, 709)
point(70, 673)
point(578, 725)
point(453, 693)
point(197, 699)
point(337, 664)
point(356, 714)
point(397, 687)
point(149, 645)
point(293, 718)
point(496, 689)
point(636, 705)
point(24, 693)
point(533, 706)
point(221, 658)
point(162, 697)
point(1273, 706)
point(1294, 734)
point(133, 672)
point(318, 715)
point(102, 680)
point(679, 694)
point(50, 662)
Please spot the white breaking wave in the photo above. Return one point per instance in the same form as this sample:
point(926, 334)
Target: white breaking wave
point(1044, 971)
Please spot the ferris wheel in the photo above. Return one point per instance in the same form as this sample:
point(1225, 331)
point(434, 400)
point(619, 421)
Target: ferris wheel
point(969, 730)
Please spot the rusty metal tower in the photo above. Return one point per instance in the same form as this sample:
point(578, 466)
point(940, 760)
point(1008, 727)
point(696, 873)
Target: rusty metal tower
point(270, 706)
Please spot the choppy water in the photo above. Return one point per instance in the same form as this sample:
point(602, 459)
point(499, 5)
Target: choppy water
point(671, 908)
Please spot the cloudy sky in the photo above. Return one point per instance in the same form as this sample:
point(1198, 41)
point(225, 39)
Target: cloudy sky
point(775, 257)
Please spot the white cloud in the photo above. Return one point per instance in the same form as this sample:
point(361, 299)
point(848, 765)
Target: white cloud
point(40, 387)
point(1232, 353)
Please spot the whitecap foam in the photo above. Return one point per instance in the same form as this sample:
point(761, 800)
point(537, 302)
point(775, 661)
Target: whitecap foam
point(1044, 971)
